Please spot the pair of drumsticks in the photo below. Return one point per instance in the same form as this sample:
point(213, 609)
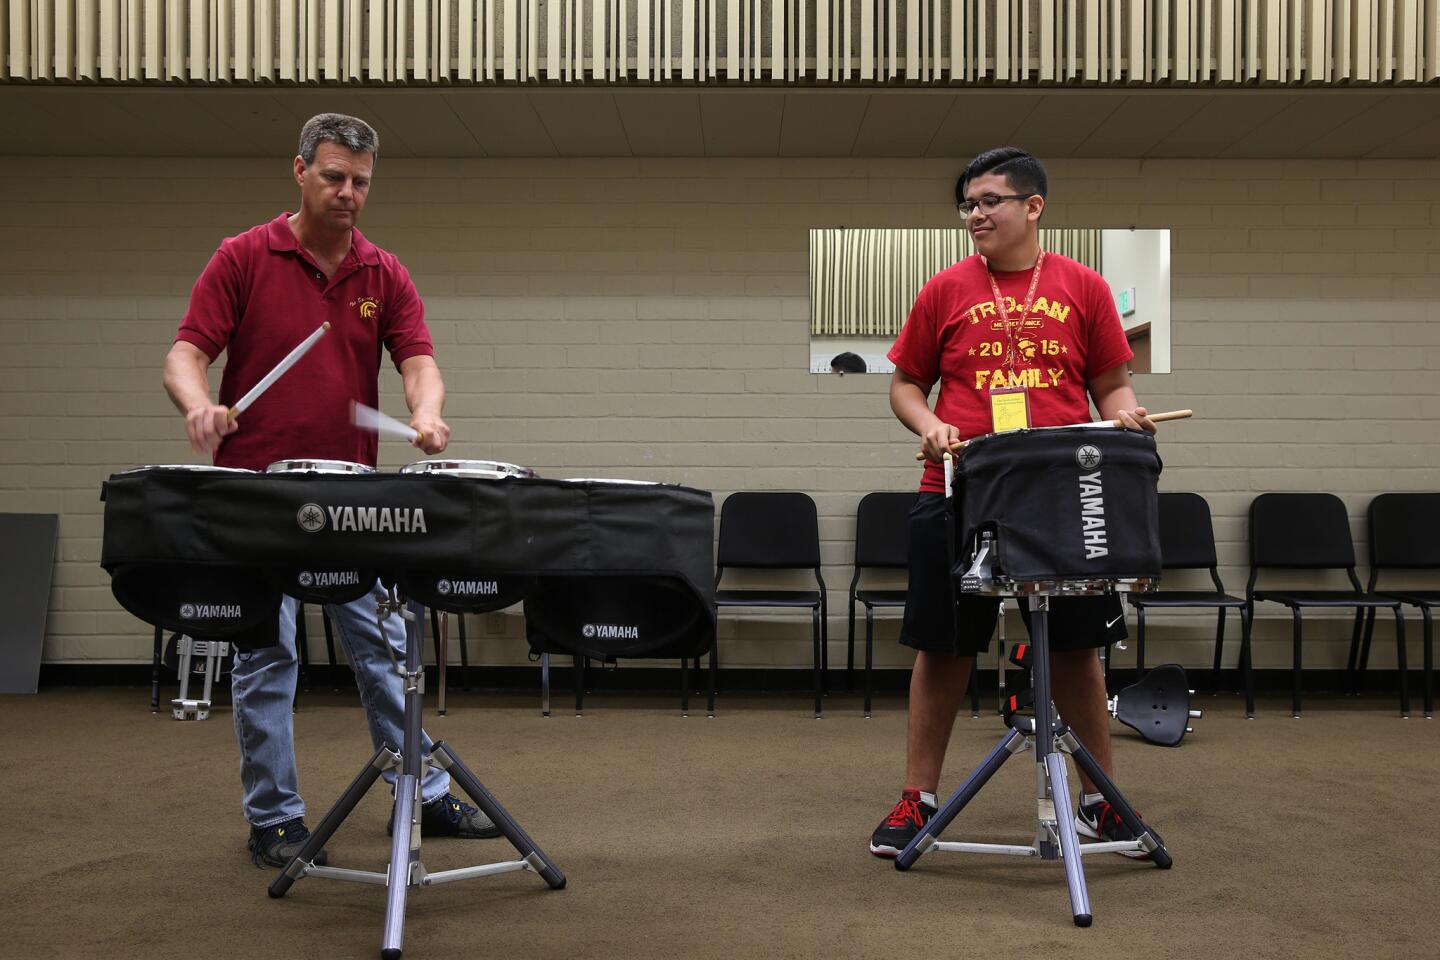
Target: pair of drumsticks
point(362, 416)
point(1102, 424)
point(368, 418)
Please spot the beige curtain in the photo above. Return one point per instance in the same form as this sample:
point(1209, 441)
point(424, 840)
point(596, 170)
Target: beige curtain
point(863, 282)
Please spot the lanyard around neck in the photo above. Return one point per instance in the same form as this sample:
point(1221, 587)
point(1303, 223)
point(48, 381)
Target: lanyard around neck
point(1012, 330)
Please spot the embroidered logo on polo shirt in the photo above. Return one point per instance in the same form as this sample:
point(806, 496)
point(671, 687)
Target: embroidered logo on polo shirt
point(369, 307)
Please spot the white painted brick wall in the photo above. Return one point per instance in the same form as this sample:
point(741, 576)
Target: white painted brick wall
point(648, 318)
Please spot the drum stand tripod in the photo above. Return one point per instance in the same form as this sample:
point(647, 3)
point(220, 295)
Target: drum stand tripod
point(1047, 735)
point(405, 869)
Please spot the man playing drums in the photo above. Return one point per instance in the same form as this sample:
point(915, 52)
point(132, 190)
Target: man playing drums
point(261, 294)
point(1013, 327)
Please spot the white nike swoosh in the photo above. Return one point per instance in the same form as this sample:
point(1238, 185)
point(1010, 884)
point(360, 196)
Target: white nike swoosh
point(1111, 623)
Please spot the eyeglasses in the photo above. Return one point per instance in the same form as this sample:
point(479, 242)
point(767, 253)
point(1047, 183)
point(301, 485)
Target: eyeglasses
point(987, 205)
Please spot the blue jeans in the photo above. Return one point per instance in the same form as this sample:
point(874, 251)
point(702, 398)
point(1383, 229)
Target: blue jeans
point(262, 685)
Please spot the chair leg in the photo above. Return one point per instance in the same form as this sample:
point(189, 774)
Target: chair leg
point(870, 654)
point(302, 646)
point(1219, 646)
point(1295, 671)
point(714, 673)
point(824, 654)
point(579, 665)
point(1364, 663)
point(1352, 662)
point(1139, 644)
point(155, 673)
point(464, 653)
point(435, 632)
point(819, 655)
point(330, 650)
point(684, 686)
point(1429, 652)
point(975, 687)
point(850, 650)
point(1401, 662)
point(1247, 665)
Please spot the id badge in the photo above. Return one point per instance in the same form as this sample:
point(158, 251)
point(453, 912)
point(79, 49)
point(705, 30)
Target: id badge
point(1009, 408)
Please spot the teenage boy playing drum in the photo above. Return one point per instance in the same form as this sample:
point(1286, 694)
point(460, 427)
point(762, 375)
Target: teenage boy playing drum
point(1012, 327)
point(261, 294)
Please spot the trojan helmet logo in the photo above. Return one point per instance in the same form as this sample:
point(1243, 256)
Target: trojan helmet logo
point(1027, 348)
point(369, 307)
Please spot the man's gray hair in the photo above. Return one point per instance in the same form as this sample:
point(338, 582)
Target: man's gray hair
point(352, 133)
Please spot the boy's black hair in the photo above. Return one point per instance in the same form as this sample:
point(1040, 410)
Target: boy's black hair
point(1025, 173)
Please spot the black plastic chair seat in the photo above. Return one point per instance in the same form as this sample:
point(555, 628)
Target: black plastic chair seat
point(881, 598)
point(1185, 598)
point(1416, 598)
point(767, 598)
point(1326, 598)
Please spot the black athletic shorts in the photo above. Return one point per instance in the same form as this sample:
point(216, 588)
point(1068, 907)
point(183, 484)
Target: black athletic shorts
point(1076, 623)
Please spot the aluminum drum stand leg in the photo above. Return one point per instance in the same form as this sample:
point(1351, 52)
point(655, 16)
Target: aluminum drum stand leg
point(405, 869)
point(1055, 836)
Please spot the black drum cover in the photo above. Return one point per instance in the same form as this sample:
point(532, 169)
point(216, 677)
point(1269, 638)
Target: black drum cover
point(588, 544)
point(326, 585)
point(464, 591)
point(609, 617)
point(207, 601)
point(1074, 503)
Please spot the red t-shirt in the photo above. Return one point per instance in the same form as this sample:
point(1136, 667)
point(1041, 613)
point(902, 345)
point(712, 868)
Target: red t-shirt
point(954, 334)
point(258, 297)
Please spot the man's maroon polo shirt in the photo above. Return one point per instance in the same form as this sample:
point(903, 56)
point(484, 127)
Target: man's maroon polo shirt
point(259, 296)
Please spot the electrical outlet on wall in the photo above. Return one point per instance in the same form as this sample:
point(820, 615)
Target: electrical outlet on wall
point(495, 624)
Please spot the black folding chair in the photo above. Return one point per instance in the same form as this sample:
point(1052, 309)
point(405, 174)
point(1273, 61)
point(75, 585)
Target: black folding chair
point(1310, 531)
point(1187, 542)
point(773, 530)
point(882, 539)
point(1405, 535)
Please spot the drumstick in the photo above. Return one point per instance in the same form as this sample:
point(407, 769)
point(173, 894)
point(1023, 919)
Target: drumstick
point(368, 418)
point(1102, 424)
point(290, 360)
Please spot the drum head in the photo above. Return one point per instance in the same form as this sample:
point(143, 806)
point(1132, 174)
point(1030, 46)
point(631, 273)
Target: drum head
point(194, 467)
point(474, 469)
point(201, 600)
point(318, 466)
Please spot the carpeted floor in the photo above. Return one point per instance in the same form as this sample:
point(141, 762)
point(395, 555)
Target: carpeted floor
point(738, 837)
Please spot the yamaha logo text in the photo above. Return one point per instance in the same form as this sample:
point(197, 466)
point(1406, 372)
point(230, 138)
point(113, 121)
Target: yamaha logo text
point(210, 611)
point(1092, 515)
point(610, 631)
point(329, 578)
point(468, 588)
point(313, 518)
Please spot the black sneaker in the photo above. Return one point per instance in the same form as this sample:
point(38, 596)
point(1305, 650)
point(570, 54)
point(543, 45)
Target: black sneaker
point(905, 821)
point(1100, 821)
point(277, 844)
point(452, 817)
